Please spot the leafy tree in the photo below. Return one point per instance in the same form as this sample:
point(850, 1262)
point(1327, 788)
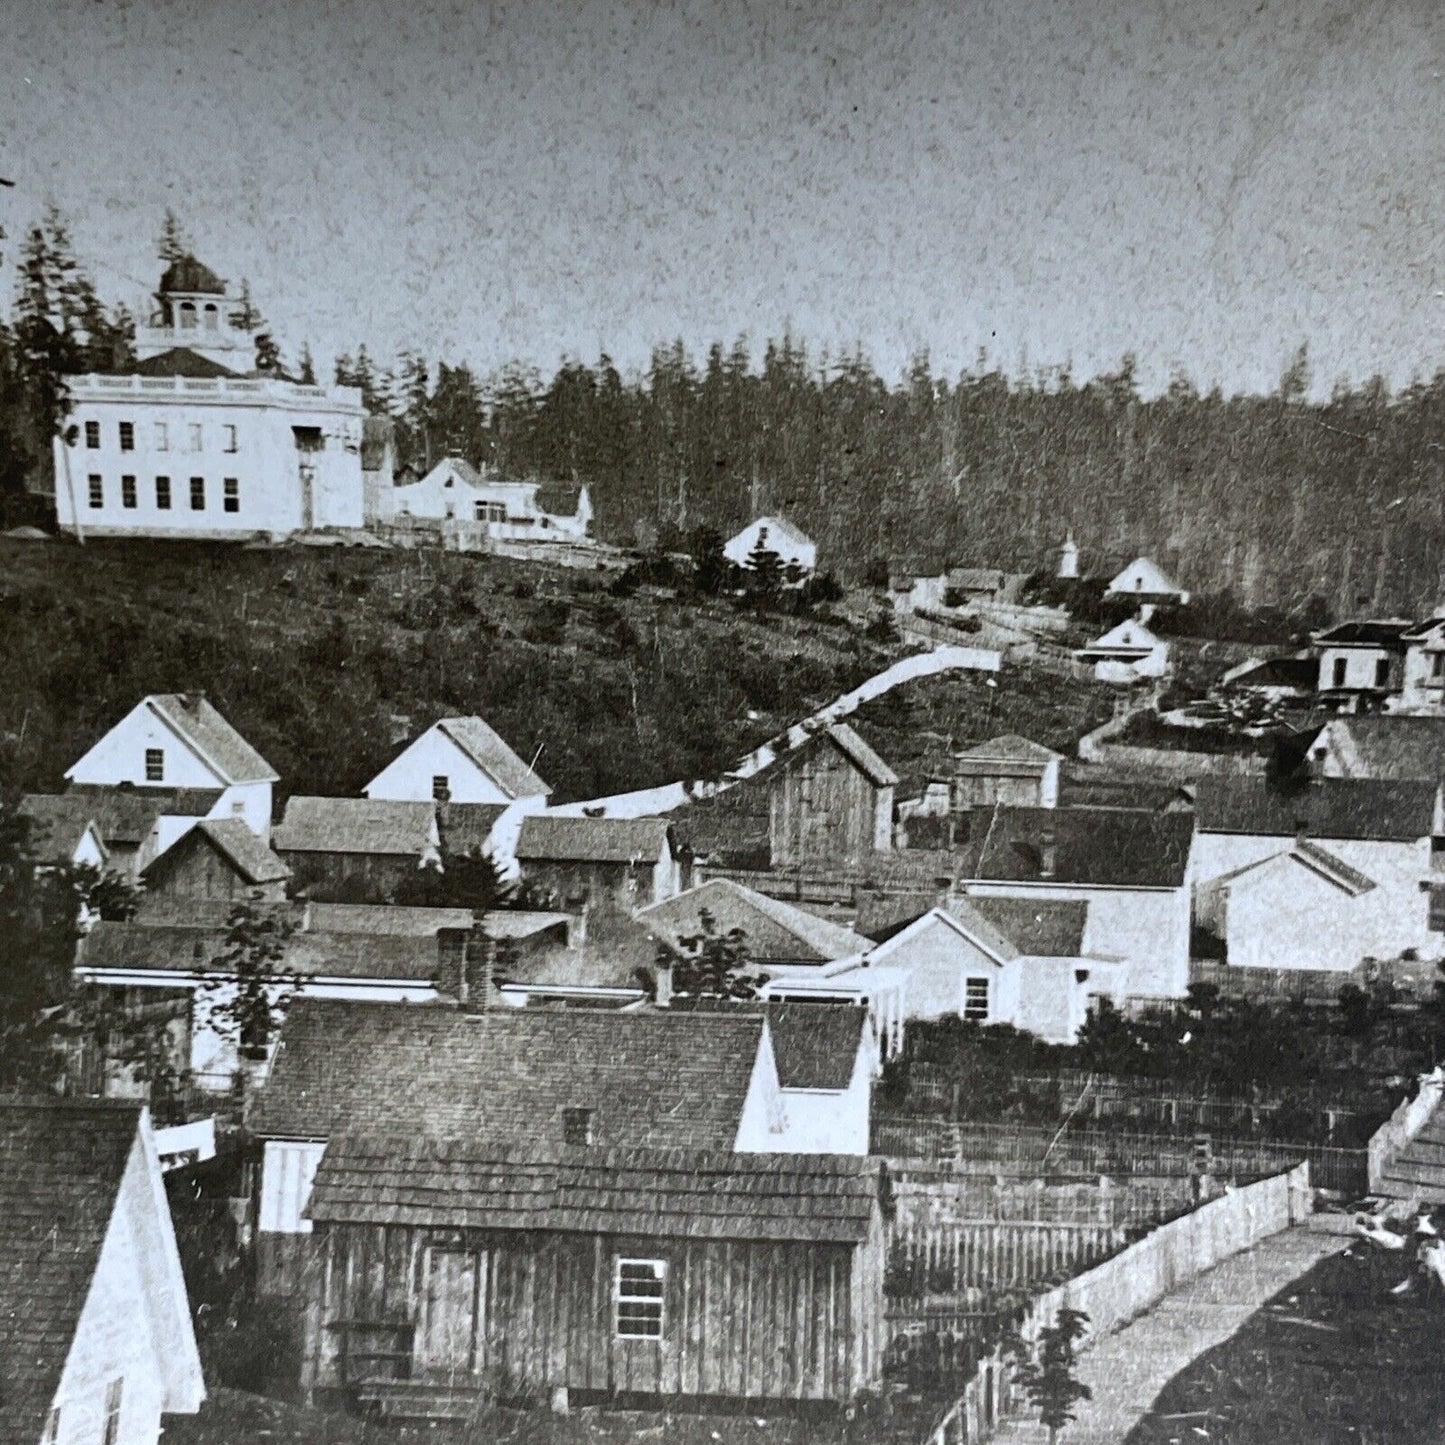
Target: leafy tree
point(713, 964)
point(247, 1000)
point(1049, 1378)
point(268, 354)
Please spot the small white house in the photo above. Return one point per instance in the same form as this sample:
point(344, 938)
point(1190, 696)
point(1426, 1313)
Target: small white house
point(457, 760)
point(1126, 653)
point(177, 742)
point(455, 491)
point(777, 535)
point(1422, 690)
point(1362, 662)
point(96, 1341)
point(1146, 583)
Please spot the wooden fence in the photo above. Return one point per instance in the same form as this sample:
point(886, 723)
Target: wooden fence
point(1123, 1287)
point(948, 1258)
point(1012, 1150)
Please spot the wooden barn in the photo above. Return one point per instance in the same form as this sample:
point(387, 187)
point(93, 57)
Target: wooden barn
point(453, 1270)
point(357, 850)
point(218, 858)
point(831, 802)
point(612, 864)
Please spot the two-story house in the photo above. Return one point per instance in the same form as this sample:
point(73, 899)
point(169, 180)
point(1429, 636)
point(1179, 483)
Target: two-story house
point(1362, 663)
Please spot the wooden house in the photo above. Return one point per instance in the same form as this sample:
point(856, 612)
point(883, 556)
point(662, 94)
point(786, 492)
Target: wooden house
point(218, 858)
point(449, 1270)
point(792, 546)
point(1009, 769)
point(1145, 583)
point(1126, 654)
point(96, 1341)
point(357, 850)
point(1362, 662)
point(831, 801)
point(458, 760)
point(610, 863)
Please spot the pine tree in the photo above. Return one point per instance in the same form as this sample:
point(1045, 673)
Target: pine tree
point(764, 568)
point(173, 244)
point(1049, 1378)
point(306, 367)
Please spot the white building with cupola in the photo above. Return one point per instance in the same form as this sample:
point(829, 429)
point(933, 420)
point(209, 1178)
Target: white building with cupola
point(195, 441)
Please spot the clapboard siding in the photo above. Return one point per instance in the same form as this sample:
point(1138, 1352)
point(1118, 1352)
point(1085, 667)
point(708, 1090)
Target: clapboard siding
point(742, 1319)
point(824, 810)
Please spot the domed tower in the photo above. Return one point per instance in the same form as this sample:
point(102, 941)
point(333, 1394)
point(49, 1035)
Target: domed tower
point(196, 310)
point(1069, 558)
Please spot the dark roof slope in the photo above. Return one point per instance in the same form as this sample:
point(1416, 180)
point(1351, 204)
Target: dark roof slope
point(489, 751)
point(657, 1080)
point(1300, 673)
point(193, 716)
point(127, 815)
point(1387, 632)
point(553, 838)
point(186, 274)
point(654, 1193)
point(861, 755)
point(355, 825)
point(181, 361)
point(815, 1046)
point(467, 827)
point(58, 823)
point(61, 1166)
point(1359, 808)
point(1102, 847)
point(236, 843)
point(1402, 749)
point(1038, 927)
point(559, 499)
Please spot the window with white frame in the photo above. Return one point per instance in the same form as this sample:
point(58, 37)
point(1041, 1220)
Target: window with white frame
point(127, 493)
point(127, 436)
point(163, 494)
point(195, 435)
point(110, 1430)
point(155, 765)
point(637, 1297)
point(975, 1000)
point(97, 490)
point(229, 433)
point(162, 437)
point(92, 435)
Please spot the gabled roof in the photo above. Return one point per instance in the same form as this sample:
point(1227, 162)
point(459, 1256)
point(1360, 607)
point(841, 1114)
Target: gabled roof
point(1344, 808)
point(1129, 637)
point(850, 745)
point(958, 917)
point(1386, 632)
point(815, 1046)
point(1397, 749)
point(236, 843)
point(1298, 673)
point(61, 1166)
point(1099, 847)
point(560, 499)
point(680, 1194)
point(187, 275)
point(181, 361)
point(356, 825)
point(1010, 748)
point(126, 815)
point(777, 527)
point(1037, 927)
point(1156, 581)
point(664, 1079)
point(486, 748)
point(558, 839)
point(1431, 627)
point(1320, 862)
point(191, 715)
point(776, 931)
point(59, 822)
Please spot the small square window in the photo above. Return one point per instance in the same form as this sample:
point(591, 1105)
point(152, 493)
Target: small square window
point(127, 493)
point(638, 1298)
point(127, 436)
point(230, 434)
point(231, 495)
point(975, 1000)
point(163, 494)
point(162, 437)
point(155, 765)
point(198, 494)
point(110, 1432)
point(195, 436)
point(92, 435)
point(238, 808)
point(97, 491)
point(579, 1126)
point(441, 787)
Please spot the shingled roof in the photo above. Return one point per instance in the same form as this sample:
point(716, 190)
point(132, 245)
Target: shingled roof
point(1358, 808)
point(356, 825)
point(776, 931)
point(815, 1046)
point(860, 754)
point(126, 815)
point(234, 840)
point(489, 751)
point(58, 824)
point(61, 1167)
point(656, 1080)
point(1391, 748)
point(652, 1193)
point(1098, 847)
point(181, 361)
point(1037, 927)
point(557, 839)
point(191, 715)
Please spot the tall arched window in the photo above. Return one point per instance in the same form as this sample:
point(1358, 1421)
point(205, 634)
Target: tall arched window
point(188, 315)
point(212, 317)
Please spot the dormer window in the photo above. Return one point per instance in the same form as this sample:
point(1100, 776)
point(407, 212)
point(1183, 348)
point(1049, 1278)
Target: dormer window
point(155, 765)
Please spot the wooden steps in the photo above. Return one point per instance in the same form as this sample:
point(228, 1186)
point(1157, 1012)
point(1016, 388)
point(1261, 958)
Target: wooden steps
point(420, 1401)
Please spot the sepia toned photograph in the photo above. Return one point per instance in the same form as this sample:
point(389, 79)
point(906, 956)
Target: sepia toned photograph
point(722, 722)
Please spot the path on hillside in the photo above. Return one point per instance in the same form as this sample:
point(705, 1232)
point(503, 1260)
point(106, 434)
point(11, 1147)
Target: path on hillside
point(1128, 1369)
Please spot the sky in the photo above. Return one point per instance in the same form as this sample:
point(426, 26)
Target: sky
point(1207, 185)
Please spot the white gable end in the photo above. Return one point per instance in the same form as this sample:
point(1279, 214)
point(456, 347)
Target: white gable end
point(414, 774)
point(143, 742)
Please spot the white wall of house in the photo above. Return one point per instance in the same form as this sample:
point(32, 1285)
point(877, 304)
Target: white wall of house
point(134, 1325)
point(829, 1121)
point(411, 776)
point(737, 549)
point(938, 960)
point(1354, 668)
point(288, 1170)
point(1422, 690)
point(215, 429)
point(1391, 917)
point(90, 851)
point(1145, 929)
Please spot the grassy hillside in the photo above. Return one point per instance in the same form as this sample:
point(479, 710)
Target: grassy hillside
point(327, 659)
